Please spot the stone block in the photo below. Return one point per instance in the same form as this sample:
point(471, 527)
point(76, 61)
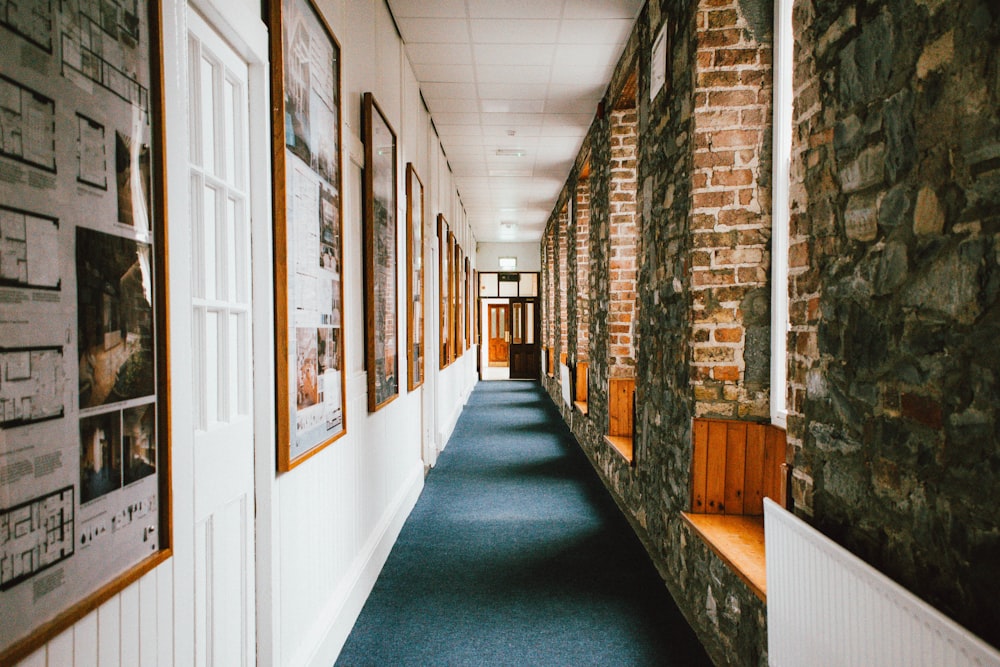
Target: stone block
point(928, 214)
point(861, 218)
point(867, 170)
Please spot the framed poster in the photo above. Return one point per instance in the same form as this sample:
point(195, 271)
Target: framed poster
point(381, 319)
point(470, 303)
point(459, 301)
point(414, 278)
point(84, 420)
point(444, 280)
point(308, 232)
point(452, 297)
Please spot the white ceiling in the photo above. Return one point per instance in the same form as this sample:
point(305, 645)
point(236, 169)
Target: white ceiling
point(522, 77)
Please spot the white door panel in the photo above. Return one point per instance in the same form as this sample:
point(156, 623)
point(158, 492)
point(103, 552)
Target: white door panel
point(221, 351)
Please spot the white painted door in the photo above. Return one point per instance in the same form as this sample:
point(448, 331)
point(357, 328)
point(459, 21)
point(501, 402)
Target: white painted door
point(222, 360)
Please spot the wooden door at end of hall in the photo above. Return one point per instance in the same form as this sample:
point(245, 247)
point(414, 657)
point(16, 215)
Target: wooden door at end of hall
point(499, 334)
point(524, 350)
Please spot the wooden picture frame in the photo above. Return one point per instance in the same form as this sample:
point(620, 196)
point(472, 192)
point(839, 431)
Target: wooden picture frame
point(469, 304)
point(460, 301)
point(444, 281)
point(453, 251)
point(85, 499)
point(308, 232)
point(415, 334)
point(381, 298)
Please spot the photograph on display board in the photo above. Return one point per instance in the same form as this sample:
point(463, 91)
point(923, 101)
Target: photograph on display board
point(100, 455)
point(414, 278)
point(381, 319)
point(132, 179)
point(444, 282)
point(308, 212)
point(115, 318)
point(139, 442)
point(84, 486)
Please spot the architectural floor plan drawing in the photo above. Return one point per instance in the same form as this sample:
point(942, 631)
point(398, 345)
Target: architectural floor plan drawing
point(35, 535)
point(31, 19)
point(99, 38)
point(30, 385)
point(28, 242)
point(27, 125)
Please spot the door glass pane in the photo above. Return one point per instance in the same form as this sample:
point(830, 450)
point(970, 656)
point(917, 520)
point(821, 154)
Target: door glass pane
point(529, 323)
point(518, 325)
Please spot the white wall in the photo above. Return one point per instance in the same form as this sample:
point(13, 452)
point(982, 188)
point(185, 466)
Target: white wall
point(324, 529)
point(528, 255)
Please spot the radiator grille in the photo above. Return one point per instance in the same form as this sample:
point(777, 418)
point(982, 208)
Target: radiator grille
point(826, 607)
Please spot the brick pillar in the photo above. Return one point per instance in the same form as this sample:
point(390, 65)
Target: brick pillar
point(582, 242)
point(731, 216)
point(624, 242)
point(550, 289)
point(563, 292)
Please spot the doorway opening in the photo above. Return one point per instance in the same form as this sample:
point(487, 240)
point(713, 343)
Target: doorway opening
point(509, 316)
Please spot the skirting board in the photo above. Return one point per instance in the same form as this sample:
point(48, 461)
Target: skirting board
point(345, 607)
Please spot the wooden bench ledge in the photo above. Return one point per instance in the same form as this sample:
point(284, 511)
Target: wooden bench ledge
point(621, 444)
point(739, 541)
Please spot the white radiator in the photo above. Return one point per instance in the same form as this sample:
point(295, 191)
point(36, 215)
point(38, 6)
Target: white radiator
point(828, 608)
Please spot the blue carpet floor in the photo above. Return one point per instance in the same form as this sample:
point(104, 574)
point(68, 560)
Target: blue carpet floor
point(516, 555)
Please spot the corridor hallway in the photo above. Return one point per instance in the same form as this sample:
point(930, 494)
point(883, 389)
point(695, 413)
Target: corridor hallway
point(516, 555)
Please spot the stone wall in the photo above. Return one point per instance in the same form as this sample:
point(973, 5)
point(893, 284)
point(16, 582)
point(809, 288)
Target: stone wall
point(896, 230)
point(700, 192)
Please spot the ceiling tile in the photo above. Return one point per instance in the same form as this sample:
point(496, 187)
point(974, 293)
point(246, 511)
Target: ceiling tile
point(439, 54)
point(512, 91)
point(450, 104)
point(513, 73)
point(513, 121)
point(458, 130)
point(512, 106)
point(436, 90)
point(450, 118)
point(516, 9)
point(508, 54)
point(586, 55)
point(603, 9)
point(514, 31)
point(437, 30)
point(430, 73)
point(606, 31)
point(477, 141)
point(438, 8)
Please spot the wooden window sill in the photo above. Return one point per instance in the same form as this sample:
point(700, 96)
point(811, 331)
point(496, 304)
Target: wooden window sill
point(621, 444)
point(739, 541)
point(581, 406)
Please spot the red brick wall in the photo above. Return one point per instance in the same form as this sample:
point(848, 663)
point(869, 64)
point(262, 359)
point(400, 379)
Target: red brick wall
point(624, 243)
point(562, 232)
point(583, 269)
point(730, 220)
